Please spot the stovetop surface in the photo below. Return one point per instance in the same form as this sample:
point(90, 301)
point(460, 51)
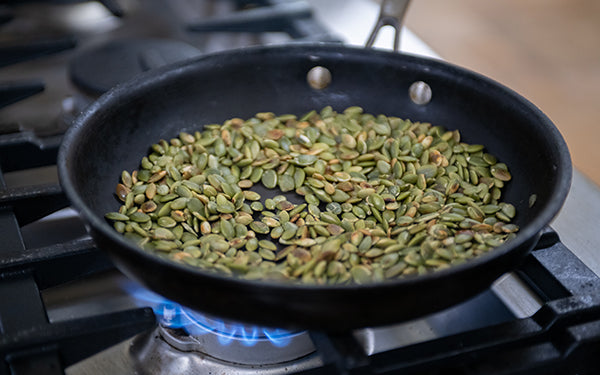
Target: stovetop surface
point(539, 318)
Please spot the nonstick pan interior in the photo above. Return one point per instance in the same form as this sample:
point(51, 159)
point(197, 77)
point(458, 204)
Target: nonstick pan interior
point(116, 131)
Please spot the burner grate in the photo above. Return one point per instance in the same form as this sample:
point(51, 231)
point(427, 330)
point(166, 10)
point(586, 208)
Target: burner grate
point(24, 51)
point(563, 337)
point(29, 343)
point(12, 92)
point(294, 18)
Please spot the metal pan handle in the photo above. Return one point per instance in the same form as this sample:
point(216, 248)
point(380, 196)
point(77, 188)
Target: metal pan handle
point(392, 14)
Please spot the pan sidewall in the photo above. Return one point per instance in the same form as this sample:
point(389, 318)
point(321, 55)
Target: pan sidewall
point(297, 306)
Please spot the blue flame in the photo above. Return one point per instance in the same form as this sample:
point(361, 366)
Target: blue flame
point(173, 315)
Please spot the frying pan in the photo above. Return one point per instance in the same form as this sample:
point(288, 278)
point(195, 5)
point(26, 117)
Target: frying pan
point(114, 133)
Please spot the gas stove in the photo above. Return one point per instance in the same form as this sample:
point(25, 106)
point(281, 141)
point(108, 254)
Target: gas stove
point(66, 309)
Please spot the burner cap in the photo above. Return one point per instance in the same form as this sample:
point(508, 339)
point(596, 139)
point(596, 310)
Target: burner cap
point(98, 69)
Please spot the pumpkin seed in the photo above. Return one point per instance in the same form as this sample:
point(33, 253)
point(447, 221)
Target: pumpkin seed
point(139, 217)
point(269, 179)
point(259, 227)
point(361, 274)
point(286, 183)
point(251, 195)
point(116, 216)
point(224, 205)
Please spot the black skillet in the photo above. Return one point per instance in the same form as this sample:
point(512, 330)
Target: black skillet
point(116, 131)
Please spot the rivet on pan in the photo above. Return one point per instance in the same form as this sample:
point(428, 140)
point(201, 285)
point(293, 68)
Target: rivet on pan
point(318, 77)
point(420, 93)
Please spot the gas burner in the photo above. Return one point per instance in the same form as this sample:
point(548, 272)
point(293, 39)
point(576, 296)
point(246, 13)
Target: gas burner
point(97, 69)
point(238, 343)
point(150, 353)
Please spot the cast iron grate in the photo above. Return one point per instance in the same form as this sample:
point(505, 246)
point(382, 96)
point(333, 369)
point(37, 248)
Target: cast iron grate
point(563, 337)
point(29, 343)
point(294, 18)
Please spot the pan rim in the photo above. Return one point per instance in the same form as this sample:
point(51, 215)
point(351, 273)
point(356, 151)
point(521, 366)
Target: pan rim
point(154, 77)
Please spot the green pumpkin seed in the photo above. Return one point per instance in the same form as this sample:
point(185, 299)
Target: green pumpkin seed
point(361, 274)
point(376, 201)
point(163, 234)
point(224, 205)
point(240, 230)
point(500, 172)
point(259, 227)
point(139, 217)
point(395, 270)
point(508, 210)
point(252, 244)
point(227, 229)
point(251, 195)
point(276, 232)
point(266, 244)
point(257, 206)
point(116, 216)
point(266, 254)
point(269, 179)
point(166, 222)
point(428, 170)
point(286, 183)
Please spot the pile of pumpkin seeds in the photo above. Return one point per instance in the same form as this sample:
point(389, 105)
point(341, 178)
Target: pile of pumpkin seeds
point(376, 197)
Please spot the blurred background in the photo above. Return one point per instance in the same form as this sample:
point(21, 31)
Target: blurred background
point(546, 50)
